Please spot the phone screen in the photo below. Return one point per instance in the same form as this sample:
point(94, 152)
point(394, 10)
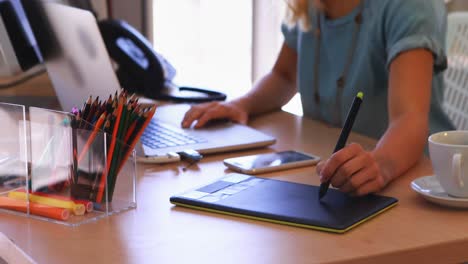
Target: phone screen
point(270, 160)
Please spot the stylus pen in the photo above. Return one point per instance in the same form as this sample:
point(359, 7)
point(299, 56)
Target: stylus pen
point(344, 135)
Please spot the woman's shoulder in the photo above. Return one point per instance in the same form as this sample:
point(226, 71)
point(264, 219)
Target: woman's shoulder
point(407, 12)
point(390, 7)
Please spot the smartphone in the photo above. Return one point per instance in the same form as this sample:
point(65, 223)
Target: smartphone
point(269, 162)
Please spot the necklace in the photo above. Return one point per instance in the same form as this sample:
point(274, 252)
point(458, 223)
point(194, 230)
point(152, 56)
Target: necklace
point(341, 81)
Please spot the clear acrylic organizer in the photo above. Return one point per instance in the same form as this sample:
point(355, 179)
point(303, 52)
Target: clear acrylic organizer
point(13, 157)
point(77, 174)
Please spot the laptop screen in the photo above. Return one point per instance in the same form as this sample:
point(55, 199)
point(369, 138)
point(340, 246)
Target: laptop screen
point(75, 56)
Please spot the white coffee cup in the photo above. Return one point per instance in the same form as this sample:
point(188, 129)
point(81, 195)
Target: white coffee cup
point(448, 151)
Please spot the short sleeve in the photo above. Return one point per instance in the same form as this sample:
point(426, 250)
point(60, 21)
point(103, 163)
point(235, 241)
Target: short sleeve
point(290, 35)
point(412, 24)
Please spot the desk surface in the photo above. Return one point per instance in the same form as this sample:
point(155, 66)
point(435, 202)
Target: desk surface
point(158, 232)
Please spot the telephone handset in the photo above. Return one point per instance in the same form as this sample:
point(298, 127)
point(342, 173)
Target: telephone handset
point(141, 70)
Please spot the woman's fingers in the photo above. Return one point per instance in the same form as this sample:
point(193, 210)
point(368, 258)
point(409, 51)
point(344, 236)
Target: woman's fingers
point(211, 114)
point(337, 160)
point(348, 170)
point(194, 113)
point(357, 180)
point(203, 113)
point(352, 170)
point(371, 186)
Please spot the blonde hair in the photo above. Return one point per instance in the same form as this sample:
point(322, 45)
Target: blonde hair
point(297, 12)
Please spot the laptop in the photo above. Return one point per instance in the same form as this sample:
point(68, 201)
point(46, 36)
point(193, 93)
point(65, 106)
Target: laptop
point(81, 67)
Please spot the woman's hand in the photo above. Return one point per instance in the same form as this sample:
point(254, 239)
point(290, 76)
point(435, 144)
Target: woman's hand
point(352, 170)
point(203, 113)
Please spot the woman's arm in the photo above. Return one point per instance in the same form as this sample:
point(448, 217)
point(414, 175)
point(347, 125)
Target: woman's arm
point(360, 172)
point(273, 91)
point(276, 88)
point(409, 101)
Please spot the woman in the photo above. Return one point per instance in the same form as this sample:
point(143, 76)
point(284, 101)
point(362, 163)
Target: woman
point(391, 50)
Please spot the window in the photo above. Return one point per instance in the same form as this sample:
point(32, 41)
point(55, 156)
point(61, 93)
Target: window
point(219, 44)
point(207, 41)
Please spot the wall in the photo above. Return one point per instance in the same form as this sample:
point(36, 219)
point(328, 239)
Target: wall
point(137, 13)
point(267, 40)
point(130, 11)
point(100, 7)
point(457, 5)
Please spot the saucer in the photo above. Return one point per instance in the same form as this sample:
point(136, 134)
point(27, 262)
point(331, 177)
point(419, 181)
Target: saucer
point(429, 188)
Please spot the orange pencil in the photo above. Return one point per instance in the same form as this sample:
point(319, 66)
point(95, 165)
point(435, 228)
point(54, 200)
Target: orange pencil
point(92, 136)
point(111, 151)
point(134, 117)
point(130, 130)
point(34, 208)
point(77, 209)
point(132, 127)
point(148, 116)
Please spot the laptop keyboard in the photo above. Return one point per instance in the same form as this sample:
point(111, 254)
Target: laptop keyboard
point(157, 135)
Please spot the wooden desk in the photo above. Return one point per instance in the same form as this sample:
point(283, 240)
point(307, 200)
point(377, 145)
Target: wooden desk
point(34, 92)
point(157, 232)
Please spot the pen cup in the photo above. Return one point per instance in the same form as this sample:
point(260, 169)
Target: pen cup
point(77, 172)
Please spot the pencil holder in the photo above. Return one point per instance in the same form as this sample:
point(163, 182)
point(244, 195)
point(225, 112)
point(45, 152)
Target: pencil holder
point(77, 173)
point(13, 157)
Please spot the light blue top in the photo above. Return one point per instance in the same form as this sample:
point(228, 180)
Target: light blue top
point(388, 28)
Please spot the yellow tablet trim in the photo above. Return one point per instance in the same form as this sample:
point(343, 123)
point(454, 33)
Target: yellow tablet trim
point(339, 231)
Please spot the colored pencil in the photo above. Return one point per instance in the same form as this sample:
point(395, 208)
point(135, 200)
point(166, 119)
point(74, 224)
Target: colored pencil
point(122, 118)
point(77, 209)
point(134, 140)
point(34, 208)
point(89, 206)
point(110, 151)
point(93, 135)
